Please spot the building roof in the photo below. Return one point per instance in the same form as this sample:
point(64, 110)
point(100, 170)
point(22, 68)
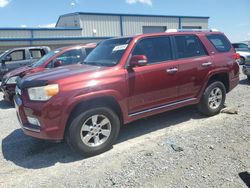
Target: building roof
point(121, 14)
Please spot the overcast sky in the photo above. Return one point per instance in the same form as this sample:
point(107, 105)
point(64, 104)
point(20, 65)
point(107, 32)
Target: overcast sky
point(229, 16)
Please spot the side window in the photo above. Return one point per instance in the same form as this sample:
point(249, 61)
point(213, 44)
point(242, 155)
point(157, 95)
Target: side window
point(70, 57)
point(156, 49)
point(242, 46)
point(36, 53)
point(219, 42)
point(18, 55)
point(189, 46)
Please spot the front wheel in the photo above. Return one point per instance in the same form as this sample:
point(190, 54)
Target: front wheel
point(93, 131)
point(213, 99)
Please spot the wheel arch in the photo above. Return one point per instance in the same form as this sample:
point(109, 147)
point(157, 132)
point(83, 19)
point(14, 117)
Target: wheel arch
point(108, 101)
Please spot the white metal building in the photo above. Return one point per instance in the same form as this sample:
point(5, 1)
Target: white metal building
point(82, 27)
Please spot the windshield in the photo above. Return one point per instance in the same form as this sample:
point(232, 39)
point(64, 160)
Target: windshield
point(108, 52)
point(45, 58)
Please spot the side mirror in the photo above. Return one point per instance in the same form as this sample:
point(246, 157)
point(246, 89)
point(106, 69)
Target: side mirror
point(57, 63)
point(7, 58)
point(138, 61)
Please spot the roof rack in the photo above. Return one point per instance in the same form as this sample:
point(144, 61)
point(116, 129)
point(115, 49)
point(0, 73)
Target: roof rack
point(191, 30)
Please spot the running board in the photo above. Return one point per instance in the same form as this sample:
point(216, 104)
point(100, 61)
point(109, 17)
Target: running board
point(161, 107)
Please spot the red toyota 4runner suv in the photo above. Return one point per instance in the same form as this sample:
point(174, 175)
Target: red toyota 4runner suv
point(125, 79)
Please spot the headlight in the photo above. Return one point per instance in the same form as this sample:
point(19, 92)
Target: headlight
point(43, 93)
point(11, 80)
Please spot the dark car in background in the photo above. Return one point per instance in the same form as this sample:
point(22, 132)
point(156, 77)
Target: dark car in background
point(19, 57)
point(58, 57)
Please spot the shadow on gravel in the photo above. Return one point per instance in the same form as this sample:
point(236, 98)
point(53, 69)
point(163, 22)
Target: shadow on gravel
point(245, 176)
point(154, 123)
point(5, 105)
point(30, 153)
point(244, 82)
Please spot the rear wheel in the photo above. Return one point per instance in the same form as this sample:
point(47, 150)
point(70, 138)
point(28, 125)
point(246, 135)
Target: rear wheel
point(213, 99)
point(93, 131)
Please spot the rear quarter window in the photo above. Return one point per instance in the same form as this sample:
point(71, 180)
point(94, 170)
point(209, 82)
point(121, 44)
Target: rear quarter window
point(220, 42)
point(189, 46)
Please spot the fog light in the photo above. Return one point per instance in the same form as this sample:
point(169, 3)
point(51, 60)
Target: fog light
point(33, 121)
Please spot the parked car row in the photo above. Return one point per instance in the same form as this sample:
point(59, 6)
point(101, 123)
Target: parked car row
point(121, 80)
point(56, 58)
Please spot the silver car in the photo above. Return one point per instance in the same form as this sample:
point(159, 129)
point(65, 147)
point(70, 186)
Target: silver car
point(18, 57)
point(244, 51)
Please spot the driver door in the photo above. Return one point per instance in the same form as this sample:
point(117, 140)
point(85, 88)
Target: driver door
point(153, 85)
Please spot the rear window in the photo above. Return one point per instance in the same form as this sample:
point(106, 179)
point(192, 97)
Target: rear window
point(220, 42)
point(189, 46)
point(37, 53)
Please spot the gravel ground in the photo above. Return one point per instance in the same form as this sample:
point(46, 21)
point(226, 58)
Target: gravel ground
point(174, 149)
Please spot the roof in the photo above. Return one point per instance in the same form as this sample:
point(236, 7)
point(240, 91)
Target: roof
point(121, 14)
point(41, 29)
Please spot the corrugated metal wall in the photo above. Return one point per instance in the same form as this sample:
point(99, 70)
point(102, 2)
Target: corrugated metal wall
point(93, 26)
point(56, 33)
point(15, 34)
point(133, 24)
point(194, 22)
point(69, 21)
point(47, 33)
point(105, 26)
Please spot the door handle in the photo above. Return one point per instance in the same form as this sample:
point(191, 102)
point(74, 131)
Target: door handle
point(207, 64)
point(172, 70)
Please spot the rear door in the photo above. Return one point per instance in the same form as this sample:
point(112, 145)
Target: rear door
point(153, 85)
point(194, 64)
point(36, 54)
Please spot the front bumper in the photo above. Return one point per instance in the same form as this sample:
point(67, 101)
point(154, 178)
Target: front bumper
point(246, 69)
point(49, 128)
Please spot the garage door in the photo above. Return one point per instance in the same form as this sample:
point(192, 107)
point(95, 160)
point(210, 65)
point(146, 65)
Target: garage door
point(153, 29)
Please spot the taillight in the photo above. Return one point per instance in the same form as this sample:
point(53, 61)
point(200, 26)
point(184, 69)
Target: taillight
point(236, 56)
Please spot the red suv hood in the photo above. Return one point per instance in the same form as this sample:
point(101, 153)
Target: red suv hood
point(18, 71)
point(64, 72)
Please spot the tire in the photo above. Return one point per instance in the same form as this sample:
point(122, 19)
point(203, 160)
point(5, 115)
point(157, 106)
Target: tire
point(84, 141)
point(216, 94)
point(242, 61)
point(248, 78)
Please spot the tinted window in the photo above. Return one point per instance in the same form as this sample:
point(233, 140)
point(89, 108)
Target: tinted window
point(36, 53)
point(70, 57)
point(17, 55)
point(156, 49)
point(220, 43)
point(189, 46)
